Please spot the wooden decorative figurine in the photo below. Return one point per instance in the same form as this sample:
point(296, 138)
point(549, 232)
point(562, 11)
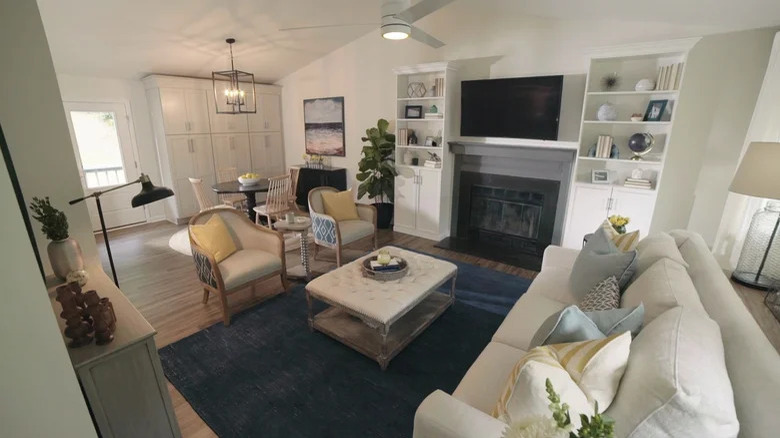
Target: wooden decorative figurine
point(77, 330)
point(101, 315)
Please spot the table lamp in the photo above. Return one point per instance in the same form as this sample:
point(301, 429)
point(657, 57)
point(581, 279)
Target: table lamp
point(149, 193)
point(758, 175)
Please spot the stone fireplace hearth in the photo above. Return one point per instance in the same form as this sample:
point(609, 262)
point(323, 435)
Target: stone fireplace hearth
point(508, 201)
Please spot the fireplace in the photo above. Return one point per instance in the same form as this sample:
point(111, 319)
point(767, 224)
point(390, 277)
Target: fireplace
point(508, 202)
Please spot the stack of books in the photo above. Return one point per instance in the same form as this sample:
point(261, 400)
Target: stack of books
point(638, 183)
point(394, 265)
point(403, 137)
point(433, 164)
point(434, 115)
point(669, 77)
point(438, 90)
point(604, 146)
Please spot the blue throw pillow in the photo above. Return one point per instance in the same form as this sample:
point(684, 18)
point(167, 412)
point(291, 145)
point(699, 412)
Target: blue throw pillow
point(568, 325)
point(619, 320)
point(598, 260)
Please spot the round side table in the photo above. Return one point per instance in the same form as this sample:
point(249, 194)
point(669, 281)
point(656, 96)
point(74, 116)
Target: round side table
point(301, 225)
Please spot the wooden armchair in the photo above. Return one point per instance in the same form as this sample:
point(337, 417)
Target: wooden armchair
point(336, 235)
point(259, 256)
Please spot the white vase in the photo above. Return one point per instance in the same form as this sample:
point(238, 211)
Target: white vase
point(645, 85)
point(65, 257)
point(607, 112)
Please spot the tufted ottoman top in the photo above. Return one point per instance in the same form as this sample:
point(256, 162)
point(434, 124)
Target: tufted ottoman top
point(383, 302)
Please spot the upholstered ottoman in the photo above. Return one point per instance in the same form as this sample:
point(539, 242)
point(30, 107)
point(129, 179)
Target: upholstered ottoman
point(379, 318)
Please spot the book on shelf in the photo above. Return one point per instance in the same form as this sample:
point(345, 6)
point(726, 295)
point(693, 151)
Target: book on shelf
point(638, 183)
point(669, 77)
point(432, 164)
point(402, 137)
point(604, 146)
point(434, 115)
point(678, 78)
point(673, 76)
point(439, 90)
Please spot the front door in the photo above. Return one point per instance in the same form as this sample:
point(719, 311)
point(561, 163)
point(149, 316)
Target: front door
point(106, 158)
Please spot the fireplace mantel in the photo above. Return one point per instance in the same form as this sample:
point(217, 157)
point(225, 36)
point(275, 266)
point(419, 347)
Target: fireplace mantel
point(528, 149)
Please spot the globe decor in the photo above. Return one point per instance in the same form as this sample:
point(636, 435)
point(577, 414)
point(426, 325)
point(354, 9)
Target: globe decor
point(640, 144)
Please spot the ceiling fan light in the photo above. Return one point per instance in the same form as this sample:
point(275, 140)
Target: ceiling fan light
point(395, 31)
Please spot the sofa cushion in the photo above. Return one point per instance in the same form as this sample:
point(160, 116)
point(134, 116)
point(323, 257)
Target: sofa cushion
point(603, 296)
point(568, 325)
point(485, 380)
point(528, 313)
point(655, 247)
point(661, 287)
point(354, 230)
point(246, 265)
point(600, 259)
point(614, 321)
point(676, 383)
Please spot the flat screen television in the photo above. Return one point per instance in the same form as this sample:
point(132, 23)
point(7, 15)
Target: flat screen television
point(511, 107)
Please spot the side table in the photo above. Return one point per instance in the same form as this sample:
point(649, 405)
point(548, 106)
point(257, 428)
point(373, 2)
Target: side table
point(301, 225)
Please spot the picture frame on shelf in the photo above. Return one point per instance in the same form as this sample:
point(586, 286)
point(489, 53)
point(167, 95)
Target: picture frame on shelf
point(655, 110)
point(600, 176)
point(413, 112)
point(430, 141)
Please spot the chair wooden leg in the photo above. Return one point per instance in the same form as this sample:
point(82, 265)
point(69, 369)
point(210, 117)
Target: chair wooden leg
point(285, 282)
point(316, 250)
point(375, 240)
point(205, 295)
point(225, 309)
point(338, 256)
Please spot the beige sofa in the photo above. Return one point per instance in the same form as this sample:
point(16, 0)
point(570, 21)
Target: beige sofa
point(752, 363)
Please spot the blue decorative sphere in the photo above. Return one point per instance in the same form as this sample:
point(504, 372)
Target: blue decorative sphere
point(641, 142)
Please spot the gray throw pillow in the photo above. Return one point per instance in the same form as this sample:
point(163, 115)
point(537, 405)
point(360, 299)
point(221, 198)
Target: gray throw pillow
point(619, 320)
point(600, 259)
point(604, 296)
point(568, 325)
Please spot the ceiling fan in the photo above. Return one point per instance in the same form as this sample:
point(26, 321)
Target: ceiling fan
point(397, 19)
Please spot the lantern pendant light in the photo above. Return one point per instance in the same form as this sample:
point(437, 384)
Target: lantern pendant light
point(234, 90)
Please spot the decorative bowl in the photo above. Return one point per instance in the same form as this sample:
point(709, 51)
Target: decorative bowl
point(637, 118)
point(248, 181)
point(384, 275)
point(645, 85)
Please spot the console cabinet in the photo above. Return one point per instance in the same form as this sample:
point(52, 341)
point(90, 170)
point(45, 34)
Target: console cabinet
point(417, 200)
point(193, 141)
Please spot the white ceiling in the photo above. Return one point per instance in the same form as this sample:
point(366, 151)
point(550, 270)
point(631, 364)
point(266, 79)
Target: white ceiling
point(129, 39)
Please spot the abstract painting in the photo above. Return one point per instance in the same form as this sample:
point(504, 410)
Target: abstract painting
point(323, 121)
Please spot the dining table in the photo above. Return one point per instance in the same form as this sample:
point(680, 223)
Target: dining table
point(230, 187)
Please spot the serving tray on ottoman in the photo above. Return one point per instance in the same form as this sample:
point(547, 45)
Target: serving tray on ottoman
point(380, 318)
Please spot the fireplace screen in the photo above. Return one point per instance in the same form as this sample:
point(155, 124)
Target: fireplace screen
point(506, 211)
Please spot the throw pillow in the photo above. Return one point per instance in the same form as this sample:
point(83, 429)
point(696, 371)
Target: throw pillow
point(340, 205)
point(568, 325)
point(624, 242)
point(615, 321)
point(656, 247)
point(214, 237)
point(600, 259)
point(661, 287)
point(676, 383)
point(603, 296)
point(583, 373)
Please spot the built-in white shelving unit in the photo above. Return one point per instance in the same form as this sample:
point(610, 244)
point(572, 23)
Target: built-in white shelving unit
point(589, 202)
point(423, 195)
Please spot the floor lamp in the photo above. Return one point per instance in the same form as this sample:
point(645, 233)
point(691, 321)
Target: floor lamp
point(149, 193)
point(758, 175)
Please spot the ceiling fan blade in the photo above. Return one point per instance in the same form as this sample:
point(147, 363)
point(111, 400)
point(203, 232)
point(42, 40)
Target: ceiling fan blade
point(421, 9)
point(423, 37)
point(324, 26)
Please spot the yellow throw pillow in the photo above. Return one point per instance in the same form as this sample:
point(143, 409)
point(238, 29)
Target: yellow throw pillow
point(582, 373)
point(625, 242)
point(214, 237)
point(340, 205)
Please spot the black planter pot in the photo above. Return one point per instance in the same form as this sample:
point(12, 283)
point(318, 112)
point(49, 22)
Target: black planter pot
point(384, 213)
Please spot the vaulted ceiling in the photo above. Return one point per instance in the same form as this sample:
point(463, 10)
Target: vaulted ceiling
point(129, 39)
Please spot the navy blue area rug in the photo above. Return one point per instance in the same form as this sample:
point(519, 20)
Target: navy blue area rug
point(267, 375)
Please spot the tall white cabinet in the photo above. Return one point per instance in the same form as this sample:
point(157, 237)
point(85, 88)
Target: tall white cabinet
point(590, 203)
point(423, 196)
point(193, 141)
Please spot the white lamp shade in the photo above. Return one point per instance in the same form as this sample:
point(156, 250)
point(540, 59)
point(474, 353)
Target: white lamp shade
point(759, 172)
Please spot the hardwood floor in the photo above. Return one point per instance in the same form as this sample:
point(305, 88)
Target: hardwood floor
point(163, 285)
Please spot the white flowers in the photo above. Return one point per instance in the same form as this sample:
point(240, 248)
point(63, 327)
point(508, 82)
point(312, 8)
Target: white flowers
point(538, 427)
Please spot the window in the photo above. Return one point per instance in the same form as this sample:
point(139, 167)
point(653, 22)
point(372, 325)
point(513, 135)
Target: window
point(99, 148)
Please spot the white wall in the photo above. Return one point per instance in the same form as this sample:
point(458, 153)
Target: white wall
point(131, 94)
point(34, 122)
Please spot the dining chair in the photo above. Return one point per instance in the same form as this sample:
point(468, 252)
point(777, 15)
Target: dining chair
point(235, 200)
point(294, 173)
point(259, 256)
point(277, 201)
point(204, 202)
point(337, 234)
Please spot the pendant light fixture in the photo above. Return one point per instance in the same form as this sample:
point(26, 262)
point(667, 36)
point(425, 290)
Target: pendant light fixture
point(234, 90)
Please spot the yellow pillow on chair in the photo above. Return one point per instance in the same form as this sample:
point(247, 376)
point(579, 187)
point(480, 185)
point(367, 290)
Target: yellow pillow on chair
point(214, 237)
point(340, 205)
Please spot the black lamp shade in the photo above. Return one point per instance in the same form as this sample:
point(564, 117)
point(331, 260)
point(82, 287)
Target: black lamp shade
point(149, 193)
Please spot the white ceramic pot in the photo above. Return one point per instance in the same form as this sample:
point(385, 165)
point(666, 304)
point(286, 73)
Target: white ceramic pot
point(607, 112)
point(645, 85)
point(65, 257)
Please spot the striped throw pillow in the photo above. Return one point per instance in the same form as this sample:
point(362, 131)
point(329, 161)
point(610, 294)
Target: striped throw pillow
point(624, 242)
point(582, 373)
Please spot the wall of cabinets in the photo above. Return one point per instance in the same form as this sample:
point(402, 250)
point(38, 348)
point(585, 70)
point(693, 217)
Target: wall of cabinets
point(193, 141)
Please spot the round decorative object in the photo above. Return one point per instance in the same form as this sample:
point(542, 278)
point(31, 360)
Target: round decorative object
point(640, 144)
point(384, 275)
point(607, 112)
point(416, 89)
point(610, 81)
point(645, 85)
point(81, 277)
point(433, 109)
point(248, 181)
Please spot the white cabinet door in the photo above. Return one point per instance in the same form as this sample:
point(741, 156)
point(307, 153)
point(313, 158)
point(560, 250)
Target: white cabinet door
point(225, 122)
point(636, 205)
point(197, 111)
point(181, 156)
point(223, 157)
point(259, 155)
point(242, 158)
point(272, 112)
point(275, 153)
point(174, 109)
point(405, 198)
point(428, 200)
point(588, 210)
point(203, 157)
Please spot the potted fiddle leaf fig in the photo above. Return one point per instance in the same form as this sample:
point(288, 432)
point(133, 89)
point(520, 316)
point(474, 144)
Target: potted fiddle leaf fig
point(377, 171)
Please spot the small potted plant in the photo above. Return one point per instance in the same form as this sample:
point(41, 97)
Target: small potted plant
point(619, 223)
point(377, 171)
point(64, 251)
